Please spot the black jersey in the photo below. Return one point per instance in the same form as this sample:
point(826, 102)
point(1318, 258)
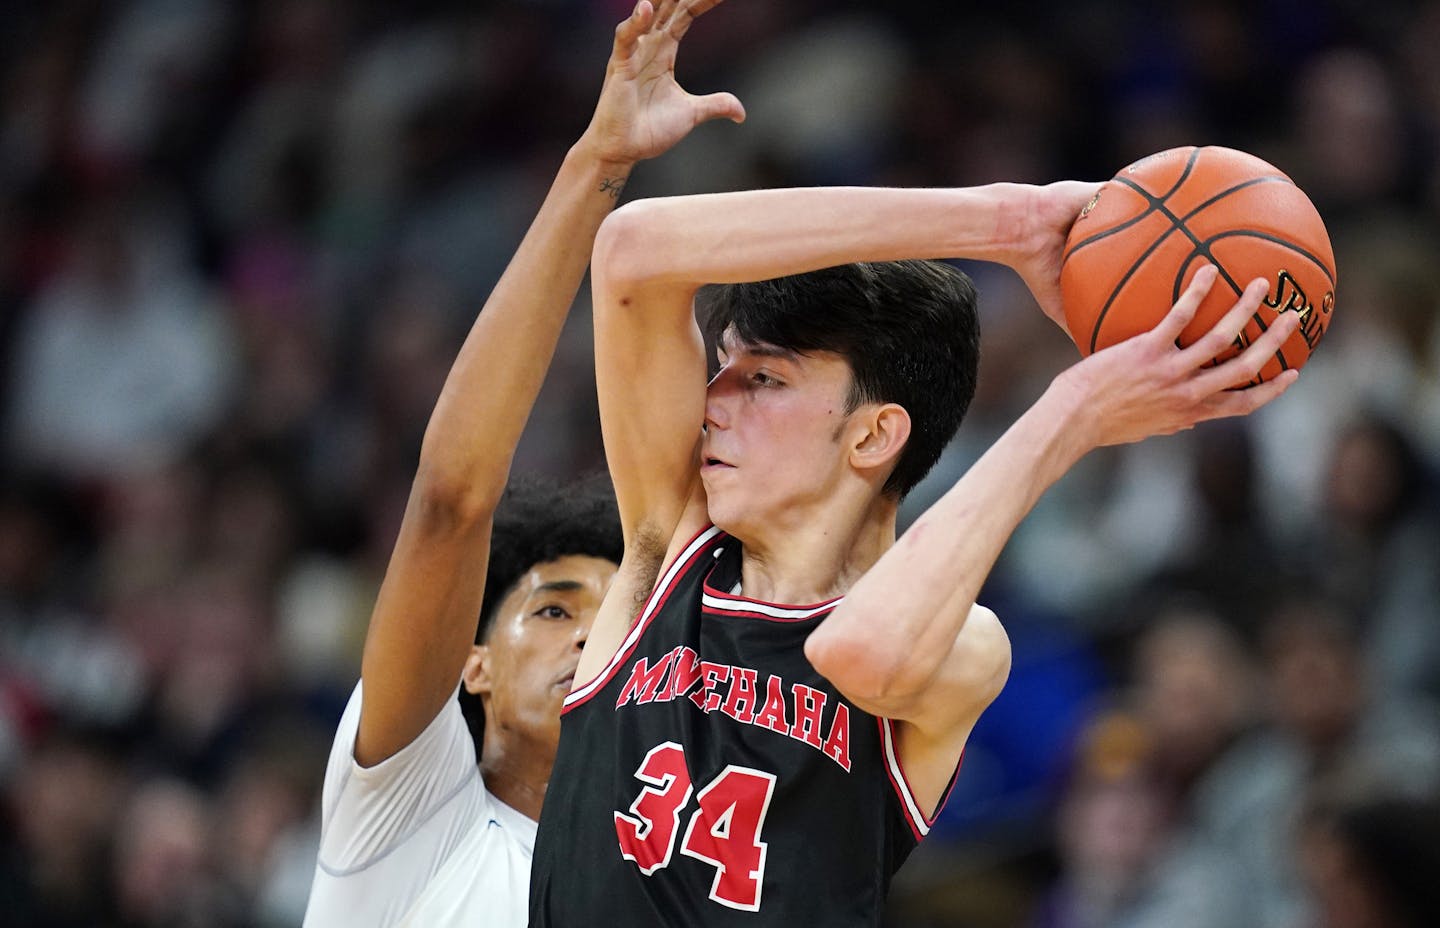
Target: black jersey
point(711, 777)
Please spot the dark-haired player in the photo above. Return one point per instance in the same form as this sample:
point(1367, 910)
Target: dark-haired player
point(413, 832)
point(774, 732)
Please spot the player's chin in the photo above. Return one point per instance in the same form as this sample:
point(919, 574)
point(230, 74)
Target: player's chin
point(723, 508)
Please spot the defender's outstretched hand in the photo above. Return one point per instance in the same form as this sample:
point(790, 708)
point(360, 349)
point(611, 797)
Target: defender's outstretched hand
point(1148, 385)
point(642, 110)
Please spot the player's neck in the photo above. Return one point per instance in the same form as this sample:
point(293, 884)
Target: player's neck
point(514, 773)
point(818, 558)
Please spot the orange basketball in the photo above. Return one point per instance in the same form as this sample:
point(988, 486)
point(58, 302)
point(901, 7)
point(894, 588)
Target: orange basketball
point(1136, 245)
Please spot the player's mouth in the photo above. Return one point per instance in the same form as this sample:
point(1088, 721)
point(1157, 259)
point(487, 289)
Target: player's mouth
point(567, 680)
point(713, 463)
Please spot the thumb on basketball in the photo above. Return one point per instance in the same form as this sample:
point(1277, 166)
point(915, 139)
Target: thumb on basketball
point(718, 106)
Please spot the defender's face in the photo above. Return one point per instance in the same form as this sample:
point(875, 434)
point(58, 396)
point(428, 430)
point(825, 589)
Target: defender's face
point(773, 421)
point(540, 628)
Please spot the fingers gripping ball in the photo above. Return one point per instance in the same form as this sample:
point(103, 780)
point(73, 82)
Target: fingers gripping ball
point(1138, 243)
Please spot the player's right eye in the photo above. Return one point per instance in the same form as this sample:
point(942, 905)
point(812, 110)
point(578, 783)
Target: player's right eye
point(551, 612)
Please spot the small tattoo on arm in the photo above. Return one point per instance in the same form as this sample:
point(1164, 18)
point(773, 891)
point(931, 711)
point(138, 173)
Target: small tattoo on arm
point(612, 186)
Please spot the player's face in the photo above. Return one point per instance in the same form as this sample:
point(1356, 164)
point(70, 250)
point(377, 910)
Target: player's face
point(772, 443)
point(535, 642)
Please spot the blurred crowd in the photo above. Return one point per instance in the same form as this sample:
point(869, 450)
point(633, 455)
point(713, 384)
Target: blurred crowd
point(241, 241)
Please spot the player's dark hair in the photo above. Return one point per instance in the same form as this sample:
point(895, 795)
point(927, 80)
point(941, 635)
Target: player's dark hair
point(908, 329)
point(541, 520)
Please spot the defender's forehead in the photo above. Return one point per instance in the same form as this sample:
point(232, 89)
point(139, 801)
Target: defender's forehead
point(570, 573)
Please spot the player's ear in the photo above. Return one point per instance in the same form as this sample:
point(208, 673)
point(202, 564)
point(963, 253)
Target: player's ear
point(476, 675)
point(881, 435)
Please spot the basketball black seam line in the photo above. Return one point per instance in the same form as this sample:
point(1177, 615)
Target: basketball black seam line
point(1273, 239)
point(1154, 203)
point(1256, 233)
point(1110, 301)
point(1267, 179)
point(1157, 205)
point(1201, 248)
point(1175, 291)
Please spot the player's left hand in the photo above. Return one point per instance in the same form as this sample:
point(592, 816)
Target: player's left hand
point(1149, 385)
point(642, 110)
point(1041, 221)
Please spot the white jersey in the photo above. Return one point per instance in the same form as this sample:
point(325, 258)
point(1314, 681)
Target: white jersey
point(417, 840)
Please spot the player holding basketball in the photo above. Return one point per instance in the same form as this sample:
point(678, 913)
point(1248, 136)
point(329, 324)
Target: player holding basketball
point(413, 832)
point(726, 760)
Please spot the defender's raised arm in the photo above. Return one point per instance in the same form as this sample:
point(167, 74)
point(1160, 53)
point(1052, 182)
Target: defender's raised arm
point(425, 617)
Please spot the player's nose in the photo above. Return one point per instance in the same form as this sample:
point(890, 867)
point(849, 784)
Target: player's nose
point(717, 400)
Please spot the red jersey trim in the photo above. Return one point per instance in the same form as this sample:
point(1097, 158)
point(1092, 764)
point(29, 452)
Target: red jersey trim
point(657, 599)
point(919, 822)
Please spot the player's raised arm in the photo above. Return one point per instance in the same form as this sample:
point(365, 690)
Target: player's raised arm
point(652, 256)
point(923, 652)
point(425, 617)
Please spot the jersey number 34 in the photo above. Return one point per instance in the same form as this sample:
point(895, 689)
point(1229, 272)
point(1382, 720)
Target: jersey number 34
point(724, 830)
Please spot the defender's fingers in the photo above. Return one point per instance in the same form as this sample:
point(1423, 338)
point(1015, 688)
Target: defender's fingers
point(1185, 308)
point(1223, 334)
point(664, 10)
point(630, 29)
point(699, 8)
point(686, 14)
point(1244, 402)
point(1244, 367)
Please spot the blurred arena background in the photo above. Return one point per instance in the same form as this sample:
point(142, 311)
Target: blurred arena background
point(240, 243)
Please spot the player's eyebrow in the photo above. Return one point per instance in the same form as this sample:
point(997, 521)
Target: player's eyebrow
point(731, 345)
point(559, 586)
point(764, 350)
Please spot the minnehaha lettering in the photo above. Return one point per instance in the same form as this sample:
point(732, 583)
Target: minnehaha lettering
point(736, 691)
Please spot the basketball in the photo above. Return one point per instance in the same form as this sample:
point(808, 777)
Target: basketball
point(1139, 241)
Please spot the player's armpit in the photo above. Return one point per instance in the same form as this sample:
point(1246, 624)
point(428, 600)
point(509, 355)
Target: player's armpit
point(647, 555)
